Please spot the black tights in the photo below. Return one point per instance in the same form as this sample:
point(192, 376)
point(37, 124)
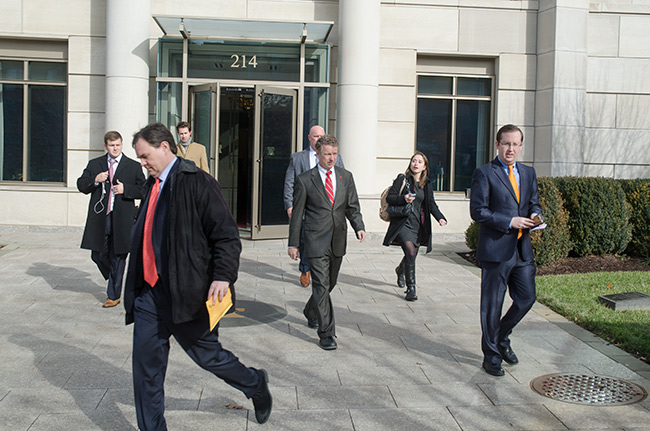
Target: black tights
point(410, 252)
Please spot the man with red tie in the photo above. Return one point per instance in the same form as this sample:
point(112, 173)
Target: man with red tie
point(185, 250)
point(114, 182)
point(324, 197)
point(504, 201)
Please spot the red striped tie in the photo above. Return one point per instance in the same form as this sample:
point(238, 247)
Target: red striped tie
point(329, 187)
point(148, 255)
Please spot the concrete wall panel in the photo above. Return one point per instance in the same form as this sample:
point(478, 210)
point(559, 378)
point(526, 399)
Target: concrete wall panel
point(397, 66)
point(11, 19)
point(419, 28)
point(86, 93)
point(396, 104)
point(75, 17)
point(497, 31)
point(602, 35)
point(517, 72)
point(87, 55)
point(517, 107)
point(207, 8)
point(635, 37)
point(632, 111)
point(618, 75)
point(601, 110)
point(396, 140)
point(86, 131)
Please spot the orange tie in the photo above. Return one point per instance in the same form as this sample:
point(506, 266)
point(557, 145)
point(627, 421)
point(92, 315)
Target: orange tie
point(513, 181)
point(148, 255)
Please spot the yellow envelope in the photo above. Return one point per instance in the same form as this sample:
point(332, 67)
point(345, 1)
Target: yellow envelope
point(217, 311)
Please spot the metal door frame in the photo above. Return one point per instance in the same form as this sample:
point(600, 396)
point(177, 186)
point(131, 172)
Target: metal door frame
point(272, 231)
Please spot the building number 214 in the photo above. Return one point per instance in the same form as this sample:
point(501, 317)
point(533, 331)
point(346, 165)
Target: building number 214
point(240, 61)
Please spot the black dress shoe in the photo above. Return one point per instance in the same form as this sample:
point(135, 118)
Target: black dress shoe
point(262, 399)
point(508, 355)
point(312, 323)
point(327, 343)
point(492, 369)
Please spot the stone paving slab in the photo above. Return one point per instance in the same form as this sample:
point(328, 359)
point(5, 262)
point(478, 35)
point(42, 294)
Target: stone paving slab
point(65, 362)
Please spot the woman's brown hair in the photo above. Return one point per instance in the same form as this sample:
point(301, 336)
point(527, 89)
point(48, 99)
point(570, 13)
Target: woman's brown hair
point(424, 176)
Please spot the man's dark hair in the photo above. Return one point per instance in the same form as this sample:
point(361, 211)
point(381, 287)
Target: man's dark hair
point(183, 124)
point(112, 136)
point(155, 134)
point(326, 140)
point(509, 128)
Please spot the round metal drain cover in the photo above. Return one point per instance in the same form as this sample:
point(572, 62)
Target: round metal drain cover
point(590, 390)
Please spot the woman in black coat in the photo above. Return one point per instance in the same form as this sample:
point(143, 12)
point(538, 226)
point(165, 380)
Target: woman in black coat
point(413, 230)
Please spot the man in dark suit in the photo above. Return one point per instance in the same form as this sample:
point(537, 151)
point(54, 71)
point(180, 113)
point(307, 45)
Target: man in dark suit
point(325, 197)
point(505, 202)
point(114, 182)
point(300, 162)
point(185, 250)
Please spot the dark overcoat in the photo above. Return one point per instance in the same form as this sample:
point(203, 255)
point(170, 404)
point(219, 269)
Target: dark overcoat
point(396, 198)
point(202, 242)
point(129, 173)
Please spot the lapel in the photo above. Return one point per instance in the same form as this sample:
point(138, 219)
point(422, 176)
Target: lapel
point(320, 187)
point(340, 187)
point(501, 174)
point(305, 160)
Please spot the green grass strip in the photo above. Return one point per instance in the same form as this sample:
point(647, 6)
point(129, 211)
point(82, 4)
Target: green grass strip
point(575, 296)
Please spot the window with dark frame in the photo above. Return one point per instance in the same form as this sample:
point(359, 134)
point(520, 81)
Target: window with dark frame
point(453, 127)
point(33, 106)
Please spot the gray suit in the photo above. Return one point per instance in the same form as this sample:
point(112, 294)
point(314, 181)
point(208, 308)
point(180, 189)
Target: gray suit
point(325, 236)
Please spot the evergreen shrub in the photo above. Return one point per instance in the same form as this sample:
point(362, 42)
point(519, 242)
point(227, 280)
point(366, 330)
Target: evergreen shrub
point(554, 242)
point(637, 194)
point(598, 214)
point(471, 236)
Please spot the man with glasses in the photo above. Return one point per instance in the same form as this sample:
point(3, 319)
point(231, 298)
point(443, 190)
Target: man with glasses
point(505, 202)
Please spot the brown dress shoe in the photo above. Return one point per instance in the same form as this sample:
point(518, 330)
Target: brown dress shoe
point(111, 303)
point(305, 278)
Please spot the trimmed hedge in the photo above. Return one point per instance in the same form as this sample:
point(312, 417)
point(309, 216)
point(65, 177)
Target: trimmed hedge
point(471, 236)
point(598, 214)
point(554, 242)
point(637, 194)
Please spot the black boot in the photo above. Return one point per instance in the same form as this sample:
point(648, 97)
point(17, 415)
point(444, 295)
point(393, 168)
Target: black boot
point(401, 281)
point(410, 282)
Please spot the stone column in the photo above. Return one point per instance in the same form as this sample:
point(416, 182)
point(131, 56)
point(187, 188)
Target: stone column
point(127, 67)
point(560, 102)
point(357, 89)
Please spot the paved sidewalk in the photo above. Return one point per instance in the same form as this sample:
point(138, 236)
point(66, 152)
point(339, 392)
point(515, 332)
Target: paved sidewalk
point(65, 362)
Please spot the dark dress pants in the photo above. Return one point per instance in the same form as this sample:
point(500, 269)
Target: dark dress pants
point(153, 326)
point(304, 261)
point(324, 275)
point(111, 265)
point(518, 277)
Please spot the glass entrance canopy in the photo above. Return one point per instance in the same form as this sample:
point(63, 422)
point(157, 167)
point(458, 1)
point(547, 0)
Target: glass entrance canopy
point(191, 27)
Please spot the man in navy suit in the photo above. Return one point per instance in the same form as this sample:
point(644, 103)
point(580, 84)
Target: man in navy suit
point(185, 250)
point(324, 198)
point(302, 162)
point(505, 202)
point(113, 181)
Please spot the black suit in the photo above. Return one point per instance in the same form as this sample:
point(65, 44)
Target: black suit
point(195, 242)
point(506, 262)
point(325, 236)
point(108, 235)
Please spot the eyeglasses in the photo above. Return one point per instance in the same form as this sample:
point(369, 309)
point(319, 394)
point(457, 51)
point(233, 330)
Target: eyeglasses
point(510, 145)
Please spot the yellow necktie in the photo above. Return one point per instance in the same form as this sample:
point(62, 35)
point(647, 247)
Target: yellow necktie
point(513, 181)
